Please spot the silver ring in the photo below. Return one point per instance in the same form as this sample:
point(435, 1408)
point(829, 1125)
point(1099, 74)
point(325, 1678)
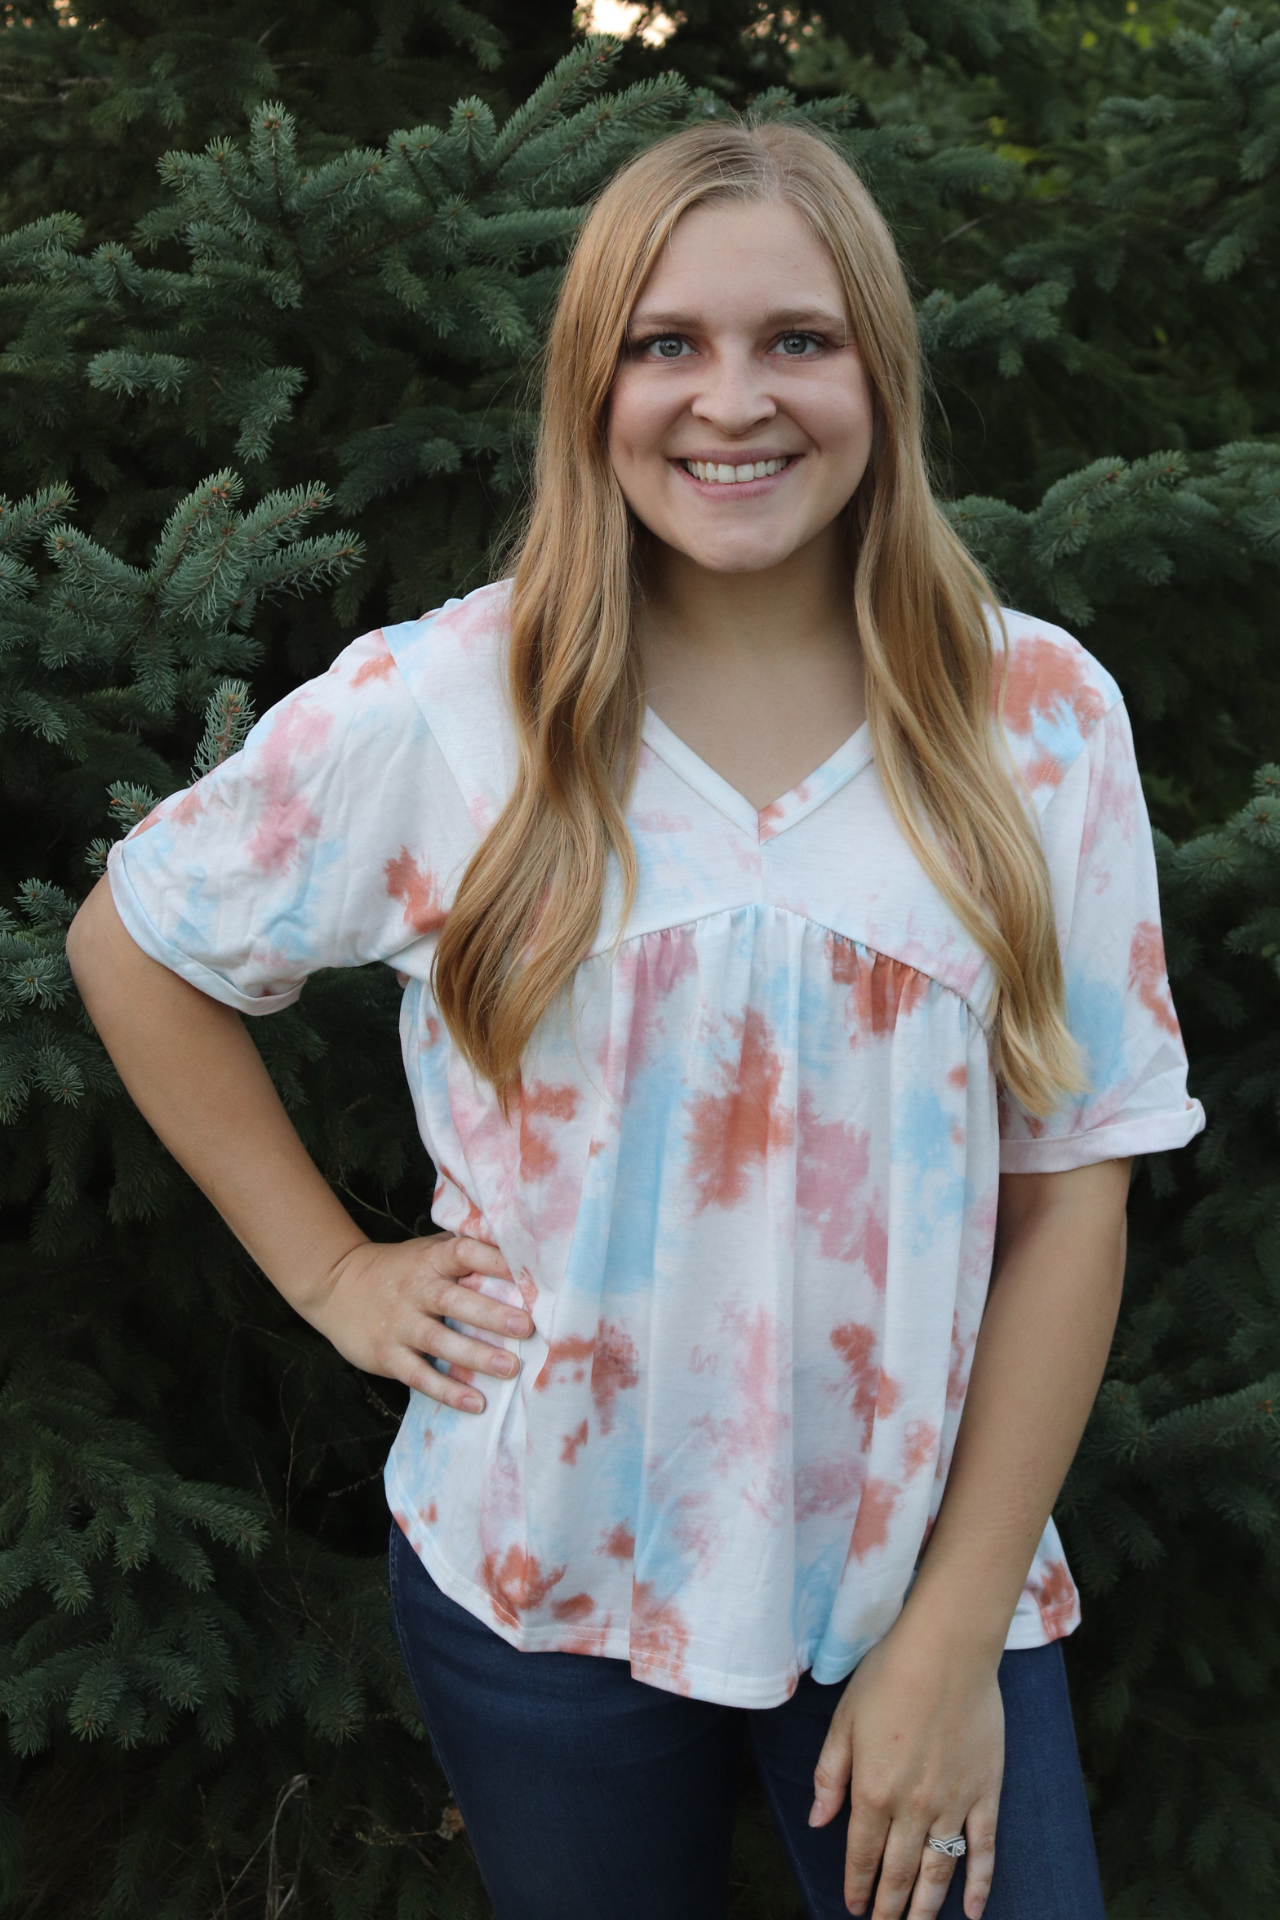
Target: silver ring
point(953, 1846)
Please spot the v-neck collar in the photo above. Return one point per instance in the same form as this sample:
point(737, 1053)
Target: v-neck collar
point(763, 823)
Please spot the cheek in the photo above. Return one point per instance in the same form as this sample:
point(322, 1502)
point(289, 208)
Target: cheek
point(635, 433)
point(635, 423)
point(839, 420)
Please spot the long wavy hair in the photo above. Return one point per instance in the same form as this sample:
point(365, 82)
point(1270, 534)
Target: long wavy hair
point(528, 908)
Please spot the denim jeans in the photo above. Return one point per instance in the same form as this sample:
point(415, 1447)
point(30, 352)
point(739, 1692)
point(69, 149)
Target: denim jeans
point(588, 1795)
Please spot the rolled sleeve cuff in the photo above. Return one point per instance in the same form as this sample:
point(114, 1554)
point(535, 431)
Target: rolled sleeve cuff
point(143, 931)
point(1120, 1139)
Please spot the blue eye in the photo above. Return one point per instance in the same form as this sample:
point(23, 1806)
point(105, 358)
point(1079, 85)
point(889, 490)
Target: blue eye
point(796, 345)
point(666, 346)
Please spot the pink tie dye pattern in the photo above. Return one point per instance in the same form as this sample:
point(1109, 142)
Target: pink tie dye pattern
point(287, 819)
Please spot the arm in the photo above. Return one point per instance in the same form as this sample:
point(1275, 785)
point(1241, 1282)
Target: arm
point(191, 1068)
point(918, 1735)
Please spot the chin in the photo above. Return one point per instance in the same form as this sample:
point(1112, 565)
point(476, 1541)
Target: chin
point(738, 556)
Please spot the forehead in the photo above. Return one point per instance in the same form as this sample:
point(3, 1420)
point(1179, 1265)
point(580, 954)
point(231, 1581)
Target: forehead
point(733, 256)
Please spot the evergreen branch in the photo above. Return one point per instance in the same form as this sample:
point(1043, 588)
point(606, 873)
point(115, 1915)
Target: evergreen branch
point(280, 516)
point(192, 519)
point(574, 152)
point(228, 718)
point(470, 29)
point(580, 72)
point(126, 373)
point(264, 402)
point(41, 243)
point(308, 564)
point(24, 521)
point(130, 804)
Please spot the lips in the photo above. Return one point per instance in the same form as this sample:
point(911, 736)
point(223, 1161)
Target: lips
point(719, 473)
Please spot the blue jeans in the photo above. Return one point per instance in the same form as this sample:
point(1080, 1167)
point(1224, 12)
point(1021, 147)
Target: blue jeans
point(588, 1795)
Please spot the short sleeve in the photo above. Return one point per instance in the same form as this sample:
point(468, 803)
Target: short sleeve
point(1102, 869)
point(329, 840)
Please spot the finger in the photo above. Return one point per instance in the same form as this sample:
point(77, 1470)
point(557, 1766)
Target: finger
point(474, 1309)
point(937, 1870)
point(899, 1868)
point(447, 1388)
point(479, 1283)
point(443, 1343)
point(478, 1256)
point(831, 1775)
point(980, 1861)
point(864, 1850)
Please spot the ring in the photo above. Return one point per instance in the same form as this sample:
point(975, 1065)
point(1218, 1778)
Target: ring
point(953, 1846)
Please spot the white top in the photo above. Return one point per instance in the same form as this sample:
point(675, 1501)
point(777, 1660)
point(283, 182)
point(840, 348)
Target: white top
point(749, 1190)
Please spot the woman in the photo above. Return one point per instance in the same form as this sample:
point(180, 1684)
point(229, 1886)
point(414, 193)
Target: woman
point(747, 1028)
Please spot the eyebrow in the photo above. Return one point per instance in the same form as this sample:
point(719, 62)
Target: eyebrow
point(776, 321)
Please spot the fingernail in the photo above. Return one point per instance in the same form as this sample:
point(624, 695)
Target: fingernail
point(815, 1813)
point(505, 1363)
point(516, 1323)
point(473, 1403)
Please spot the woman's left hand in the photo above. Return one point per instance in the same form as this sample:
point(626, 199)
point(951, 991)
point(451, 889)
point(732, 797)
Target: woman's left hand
point(918, 1743)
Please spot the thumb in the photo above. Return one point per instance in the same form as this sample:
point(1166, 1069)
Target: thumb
point(832, 1774)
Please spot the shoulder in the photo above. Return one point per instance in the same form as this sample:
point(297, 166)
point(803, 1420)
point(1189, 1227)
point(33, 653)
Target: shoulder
point(453, 660)
point(461, 641)
point(1054, 693)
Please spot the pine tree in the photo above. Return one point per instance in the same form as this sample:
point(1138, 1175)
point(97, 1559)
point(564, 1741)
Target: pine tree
point(284, 365)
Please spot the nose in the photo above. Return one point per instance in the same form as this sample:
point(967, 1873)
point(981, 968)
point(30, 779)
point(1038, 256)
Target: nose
point(734, 397)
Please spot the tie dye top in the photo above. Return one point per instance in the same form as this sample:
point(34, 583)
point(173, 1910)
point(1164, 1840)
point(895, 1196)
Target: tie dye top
point(748, 1191)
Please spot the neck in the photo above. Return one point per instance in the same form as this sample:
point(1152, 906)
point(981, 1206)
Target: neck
point(804, 604)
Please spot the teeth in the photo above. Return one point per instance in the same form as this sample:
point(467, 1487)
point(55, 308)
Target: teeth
point(725, 476)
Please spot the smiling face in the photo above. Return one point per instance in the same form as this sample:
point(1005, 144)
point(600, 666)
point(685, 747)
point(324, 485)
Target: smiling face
point(740, 417)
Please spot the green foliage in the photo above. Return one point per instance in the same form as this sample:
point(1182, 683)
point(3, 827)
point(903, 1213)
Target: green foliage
point(227, 325)
point(1209, 142)
point(89, 1496)
point(95, 94)
point(1173, 1506)
point(188, 1646)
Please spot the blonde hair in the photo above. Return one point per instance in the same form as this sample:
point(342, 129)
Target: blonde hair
point(528, 908)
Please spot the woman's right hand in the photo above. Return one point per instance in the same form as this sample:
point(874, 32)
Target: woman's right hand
point(386, 1308)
